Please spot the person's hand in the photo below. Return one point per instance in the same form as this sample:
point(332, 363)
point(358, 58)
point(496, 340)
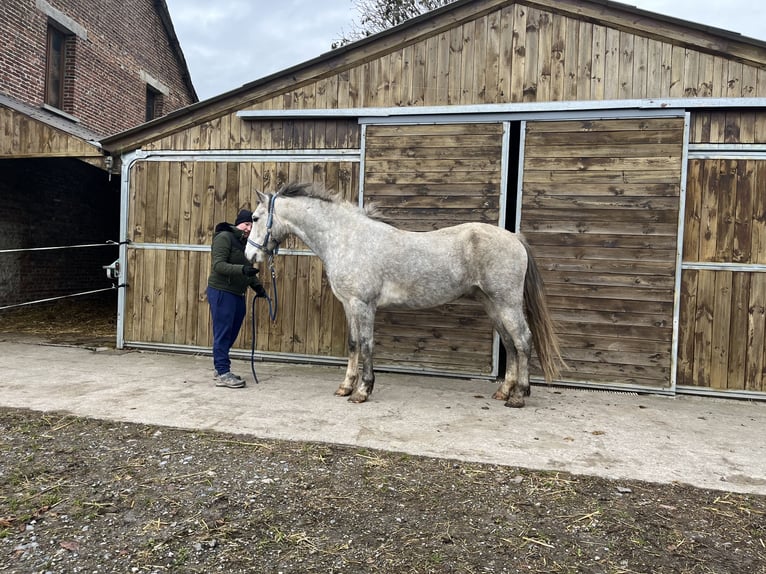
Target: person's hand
point(249, 271)
point(260, 291)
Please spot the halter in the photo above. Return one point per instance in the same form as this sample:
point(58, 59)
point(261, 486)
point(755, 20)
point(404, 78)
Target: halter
point(269, 222)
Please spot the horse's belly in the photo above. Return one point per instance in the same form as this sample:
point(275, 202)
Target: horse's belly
point(416, 297)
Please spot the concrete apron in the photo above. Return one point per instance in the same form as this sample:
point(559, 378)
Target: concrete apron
point(705, 442)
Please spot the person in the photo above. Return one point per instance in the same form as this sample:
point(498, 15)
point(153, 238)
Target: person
point(230, 276)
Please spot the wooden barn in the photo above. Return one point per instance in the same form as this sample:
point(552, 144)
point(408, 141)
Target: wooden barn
point(629, 148)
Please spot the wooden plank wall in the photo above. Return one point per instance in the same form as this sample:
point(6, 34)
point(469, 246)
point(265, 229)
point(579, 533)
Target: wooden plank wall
point(600, 210)
point(230, 132)
point(178, 204)
point(722, 342)
point(512, 54)
point(425, 177)
point(728, 127)
point(22, 136)
point(519, 53)
point(310, 320)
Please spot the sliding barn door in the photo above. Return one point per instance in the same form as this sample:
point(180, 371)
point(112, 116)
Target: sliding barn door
point(600, 208)
point(425, 177)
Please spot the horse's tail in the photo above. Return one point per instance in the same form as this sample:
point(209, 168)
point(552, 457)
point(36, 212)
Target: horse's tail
point(540, 320)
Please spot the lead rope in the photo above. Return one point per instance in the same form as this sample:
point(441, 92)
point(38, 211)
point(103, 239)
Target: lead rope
point(272, 314)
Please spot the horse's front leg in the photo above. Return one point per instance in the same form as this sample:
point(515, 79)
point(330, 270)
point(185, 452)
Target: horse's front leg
point(352, 369)
point(366, 322)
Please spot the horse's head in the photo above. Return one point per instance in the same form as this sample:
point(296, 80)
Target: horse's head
point(261, 242)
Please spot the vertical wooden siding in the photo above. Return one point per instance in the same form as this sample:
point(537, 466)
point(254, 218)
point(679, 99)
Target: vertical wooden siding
point(231, 132)
point(728, 127)
point(600, 210)
point(22, 136)
point(424, 178)
point(722, 342)
point(519, 53)
point(177, 205)
point(512, 54)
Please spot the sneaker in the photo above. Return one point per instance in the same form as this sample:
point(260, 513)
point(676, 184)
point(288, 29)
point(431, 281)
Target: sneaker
point(216, 375)
point(229, 380)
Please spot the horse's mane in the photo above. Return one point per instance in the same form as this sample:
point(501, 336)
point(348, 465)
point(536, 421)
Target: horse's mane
point(317, 191)
point(295, 189)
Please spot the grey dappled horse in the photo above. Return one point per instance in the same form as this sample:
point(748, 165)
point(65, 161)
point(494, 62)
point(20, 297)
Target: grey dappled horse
point(371, 265)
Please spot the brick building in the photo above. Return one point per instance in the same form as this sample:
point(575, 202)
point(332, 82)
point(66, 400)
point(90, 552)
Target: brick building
point(71, 73)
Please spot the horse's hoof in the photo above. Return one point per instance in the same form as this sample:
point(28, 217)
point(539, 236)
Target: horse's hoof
point(357, 398)
point(515, 403)
point(341, 392)
point(498, 396)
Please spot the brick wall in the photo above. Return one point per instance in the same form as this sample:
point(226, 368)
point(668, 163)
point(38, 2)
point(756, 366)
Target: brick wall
point(55, 202)
point(107, 93)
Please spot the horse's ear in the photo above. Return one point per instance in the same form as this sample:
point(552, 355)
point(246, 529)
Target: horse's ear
point(262, 197)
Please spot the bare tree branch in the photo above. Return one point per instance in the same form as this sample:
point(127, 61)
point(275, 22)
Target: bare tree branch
point(374, 16)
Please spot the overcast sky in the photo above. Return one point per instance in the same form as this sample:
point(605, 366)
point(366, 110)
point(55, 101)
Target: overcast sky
point(228, 43)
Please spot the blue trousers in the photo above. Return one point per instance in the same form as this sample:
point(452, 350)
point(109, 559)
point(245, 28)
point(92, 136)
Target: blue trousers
point(228, 312)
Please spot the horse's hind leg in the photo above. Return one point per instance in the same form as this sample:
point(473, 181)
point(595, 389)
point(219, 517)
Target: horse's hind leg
point(522, 340)
point(512, 326)
point(508, 381)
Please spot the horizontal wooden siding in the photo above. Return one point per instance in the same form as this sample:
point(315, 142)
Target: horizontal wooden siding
point(425, 177)
point(600, 210)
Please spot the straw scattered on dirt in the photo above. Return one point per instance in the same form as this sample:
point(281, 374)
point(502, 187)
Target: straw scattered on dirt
point(83, 495)
point(79, 495)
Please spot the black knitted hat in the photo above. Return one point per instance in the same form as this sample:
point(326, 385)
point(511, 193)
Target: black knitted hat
point(244, 216)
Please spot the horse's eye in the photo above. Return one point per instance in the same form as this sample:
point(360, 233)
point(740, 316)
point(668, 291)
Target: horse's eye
point(255, 219)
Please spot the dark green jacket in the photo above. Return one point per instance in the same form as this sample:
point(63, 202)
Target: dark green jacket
point(227, 260)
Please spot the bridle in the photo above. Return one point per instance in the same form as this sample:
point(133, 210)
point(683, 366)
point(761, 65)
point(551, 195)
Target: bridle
point(271, 253)
point(269, 223)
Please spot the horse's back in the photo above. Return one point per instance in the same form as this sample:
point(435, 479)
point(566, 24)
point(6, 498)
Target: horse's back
point(484, 239)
